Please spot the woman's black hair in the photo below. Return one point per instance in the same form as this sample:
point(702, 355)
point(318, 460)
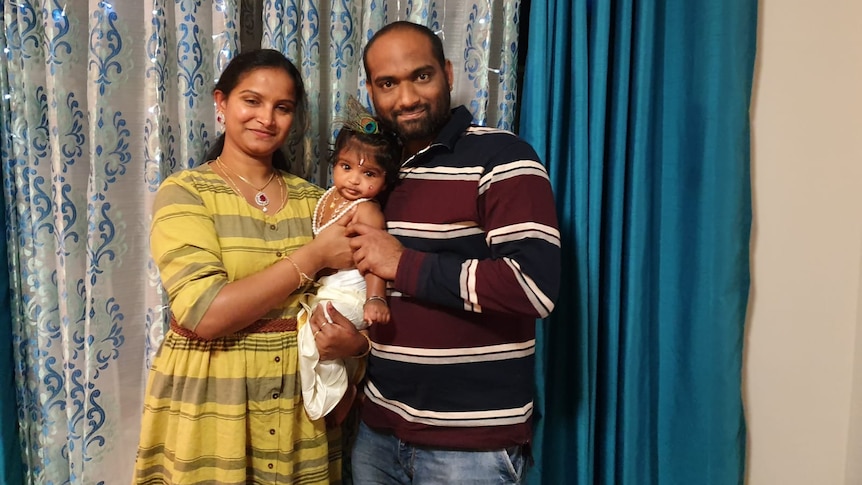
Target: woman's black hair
point(243, 64)
point(385, 145)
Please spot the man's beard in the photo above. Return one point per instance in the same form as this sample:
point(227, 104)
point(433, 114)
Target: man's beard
point(427, 127)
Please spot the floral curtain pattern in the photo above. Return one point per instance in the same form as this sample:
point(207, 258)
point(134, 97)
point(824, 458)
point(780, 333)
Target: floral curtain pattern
point(325, 41)
point(102, 100)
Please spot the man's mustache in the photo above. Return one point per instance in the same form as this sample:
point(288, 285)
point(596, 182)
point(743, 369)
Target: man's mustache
point(411, 110)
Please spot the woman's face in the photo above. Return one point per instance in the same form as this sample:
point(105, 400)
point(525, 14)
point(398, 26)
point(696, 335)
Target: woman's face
point(356, 173)
point(259, 112)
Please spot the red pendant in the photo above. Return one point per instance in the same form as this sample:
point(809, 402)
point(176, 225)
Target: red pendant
point(261, 199)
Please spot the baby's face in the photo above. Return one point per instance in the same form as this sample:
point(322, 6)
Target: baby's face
point(356, 173)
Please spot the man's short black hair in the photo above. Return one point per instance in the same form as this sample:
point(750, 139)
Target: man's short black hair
point(436, 43)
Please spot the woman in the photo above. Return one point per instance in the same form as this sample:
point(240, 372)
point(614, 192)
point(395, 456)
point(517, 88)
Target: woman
point(233, 242)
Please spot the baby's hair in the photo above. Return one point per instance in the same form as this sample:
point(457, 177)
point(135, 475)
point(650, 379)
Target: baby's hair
point(359, 125)
point(384, 145)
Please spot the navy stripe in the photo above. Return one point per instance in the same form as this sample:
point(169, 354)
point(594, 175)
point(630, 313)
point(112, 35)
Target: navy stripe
point(460, 387)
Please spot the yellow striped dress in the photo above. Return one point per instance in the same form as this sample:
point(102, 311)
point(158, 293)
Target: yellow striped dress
point(229, 410)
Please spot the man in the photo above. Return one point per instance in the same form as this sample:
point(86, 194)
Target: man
point(472, 256)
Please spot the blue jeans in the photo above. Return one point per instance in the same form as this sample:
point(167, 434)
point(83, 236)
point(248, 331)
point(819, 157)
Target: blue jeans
point(381, 459)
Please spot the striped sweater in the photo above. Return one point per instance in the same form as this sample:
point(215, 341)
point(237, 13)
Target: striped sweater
point(454, 367)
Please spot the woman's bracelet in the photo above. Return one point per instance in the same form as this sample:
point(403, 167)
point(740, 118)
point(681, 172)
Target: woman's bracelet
point(303, 278)
point(367, 351)
point(375, 298)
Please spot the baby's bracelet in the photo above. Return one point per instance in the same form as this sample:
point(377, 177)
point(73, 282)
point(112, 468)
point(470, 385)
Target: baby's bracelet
point(375, 298)
point(303, 278)
point(368, 351)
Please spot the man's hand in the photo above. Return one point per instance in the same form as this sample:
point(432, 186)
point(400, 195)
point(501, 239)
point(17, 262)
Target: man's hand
point(374, 250)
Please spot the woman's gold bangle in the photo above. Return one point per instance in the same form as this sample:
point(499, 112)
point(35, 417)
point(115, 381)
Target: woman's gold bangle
point(303, 278)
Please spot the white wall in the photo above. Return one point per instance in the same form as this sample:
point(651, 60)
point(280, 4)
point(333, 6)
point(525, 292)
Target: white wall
point(802, 355)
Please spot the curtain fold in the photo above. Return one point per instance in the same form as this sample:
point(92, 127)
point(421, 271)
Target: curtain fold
point(640, 111)
point(10, 449)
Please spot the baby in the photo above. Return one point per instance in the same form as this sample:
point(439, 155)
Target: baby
point(365, 160)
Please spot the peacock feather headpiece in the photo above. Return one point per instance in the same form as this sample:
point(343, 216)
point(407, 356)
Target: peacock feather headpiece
point(357, 118)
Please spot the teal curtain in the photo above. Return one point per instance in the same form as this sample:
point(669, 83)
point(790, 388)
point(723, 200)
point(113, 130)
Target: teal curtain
point(641, 112)
point(10, 449)
point(11, 465)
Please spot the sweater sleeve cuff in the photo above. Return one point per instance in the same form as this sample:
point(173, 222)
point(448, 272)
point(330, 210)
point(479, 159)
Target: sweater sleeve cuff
point(409, 267)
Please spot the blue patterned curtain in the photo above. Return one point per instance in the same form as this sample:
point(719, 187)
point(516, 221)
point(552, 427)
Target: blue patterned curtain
point(325, 40)
point(102, 99)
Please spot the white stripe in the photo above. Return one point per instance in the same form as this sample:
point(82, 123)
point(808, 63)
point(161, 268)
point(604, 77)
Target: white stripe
point(468, 286)
point(540, 301)
point(462, 284)
point(524, 230)
point(458, 351)
point(512, 169)
point(486, 130)
point(455, 359)
point(433, 231)
point(427, 226)
point(519, 236)
point(461, 419)
point(436, 176)
point(466, 174)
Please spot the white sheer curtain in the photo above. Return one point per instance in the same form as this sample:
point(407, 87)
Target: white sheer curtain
point(102, 100)
point(325, 40)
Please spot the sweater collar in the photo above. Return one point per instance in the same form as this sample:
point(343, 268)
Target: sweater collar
point(460, 120)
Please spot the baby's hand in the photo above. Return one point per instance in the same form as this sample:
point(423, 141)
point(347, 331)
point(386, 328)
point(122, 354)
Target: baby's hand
point(376, 311)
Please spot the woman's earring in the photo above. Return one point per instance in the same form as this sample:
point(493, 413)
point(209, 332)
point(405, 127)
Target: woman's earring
point(220, 121)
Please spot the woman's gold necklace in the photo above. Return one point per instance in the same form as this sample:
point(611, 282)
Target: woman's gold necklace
point(281, 187)
point(231, 182)
point(260, 197)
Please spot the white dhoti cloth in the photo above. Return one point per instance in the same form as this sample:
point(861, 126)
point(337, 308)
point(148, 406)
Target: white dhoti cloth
point(325, 382)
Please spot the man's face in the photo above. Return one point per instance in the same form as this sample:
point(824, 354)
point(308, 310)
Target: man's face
point(409, 88)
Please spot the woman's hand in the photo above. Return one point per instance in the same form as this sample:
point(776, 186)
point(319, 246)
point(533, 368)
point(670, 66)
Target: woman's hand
point(335, 336)
point(333, 244)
